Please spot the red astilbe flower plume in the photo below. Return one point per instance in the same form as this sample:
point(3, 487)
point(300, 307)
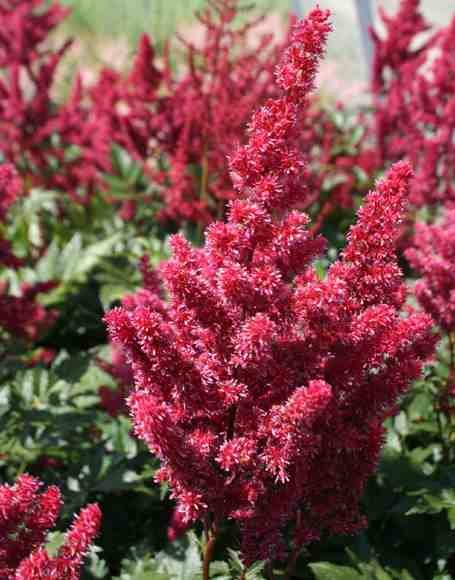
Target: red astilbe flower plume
point(396, 62)
point(207, 107)
point(77, 125)
point(397, 48)
point(115, 110)
point(433, 106)
point(61, 147)
point(432, 255)
point(29, 69)
point(262, 389)
point(433, 258)
point(414, 116)
point(56, 146)
point(27, 514)
point(24, 28)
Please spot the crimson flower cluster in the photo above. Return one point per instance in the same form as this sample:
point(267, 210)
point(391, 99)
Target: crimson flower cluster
point(20, 315)
point(62, 146)
point(28, 73)
point(188, 119)
point(396, 61)
point(178, 125)
point(413, 85)
point(27, 514)
point(433, 257)
point(116, 110)
point(261, 387)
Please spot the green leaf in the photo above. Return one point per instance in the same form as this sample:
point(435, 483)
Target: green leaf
point(111, 293)
point(220, 570)
point(182, 560)
point(54, 542)
point(96, 565)
point(327, 571)
point(144, 568)
point(254, 572)
point(81, 260)
point(72, 369)
point(48, 267)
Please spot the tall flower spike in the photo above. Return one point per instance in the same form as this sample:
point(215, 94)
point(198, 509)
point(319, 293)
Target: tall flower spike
point(270, 167)
point(261, 388)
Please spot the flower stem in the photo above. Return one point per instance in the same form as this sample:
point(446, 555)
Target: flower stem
point(269, 571)
point(208, 551)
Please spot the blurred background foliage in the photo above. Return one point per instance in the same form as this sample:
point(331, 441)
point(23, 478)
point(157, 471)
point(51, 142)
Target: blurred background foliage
point(108, 30)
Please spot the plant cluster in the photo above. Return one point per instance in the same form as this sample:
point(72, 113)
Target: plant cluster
point(26, 517)
point(413, 84)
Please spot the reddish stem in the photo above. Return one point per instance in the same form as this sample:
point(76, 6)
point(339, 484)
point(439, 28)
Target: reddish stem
point(208, 552)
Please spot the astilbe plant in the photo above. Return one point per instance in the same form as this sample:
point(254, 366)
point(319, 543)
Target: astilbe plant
point(57, 145)
point(414, 115)
point(396, 61)
point(178, 125)
point(262, 388)
point(115, 110)
point(432, 255)
point(206, 108)
point(27, 514)
point(434, 155)
point(77, 147)
point(131, 104)
point(35, 133)
point(29, 70)
point(21, 315)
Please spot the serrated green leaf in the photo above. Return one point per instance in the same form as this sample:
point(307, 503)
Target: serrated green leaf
point(47, 267)
point(327, 571)
point(144, 568)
